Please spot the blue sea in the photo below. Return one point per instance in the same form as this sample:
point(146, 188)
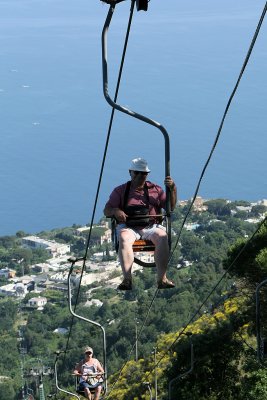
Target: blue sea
point(182, 63)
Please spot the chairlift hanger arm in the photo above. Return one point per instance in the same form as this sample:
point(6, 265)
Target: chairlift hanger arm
point(56, 382)
point(128, 111)
point(91, 322)
point(261, 342)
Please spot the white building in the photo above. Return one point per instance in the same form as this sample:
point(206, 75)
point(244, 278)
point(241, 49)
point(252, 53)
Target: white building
point(94, 302)
point(61, 331)
point(60, 277)
point(41, 267)
point(37, 302)
point(106, 237)
point(53, 248)
point(81, 230)
point(7, 273)
point(8, 290)
point(14, 290)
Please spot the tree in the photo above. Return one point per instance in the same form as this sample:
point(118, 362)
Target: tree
point(7, 391)
point(251, 263)
point(258, 210)
point(219, 207)
point(21, 234)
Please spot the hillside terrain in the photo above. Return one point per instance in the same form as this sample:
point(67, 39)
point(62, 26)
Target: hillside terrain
point(209, 308)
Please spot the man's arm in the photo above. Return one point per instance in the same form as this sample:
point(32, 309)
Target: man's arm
point(115, 212)
point(173, 197)
point(169, 182)
point(112, 207)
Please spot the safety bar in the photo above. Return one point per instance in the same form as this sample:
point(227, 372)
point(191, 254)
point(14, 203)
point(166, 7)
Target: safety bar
point(62, 390)
point(260, 339)
point(189, 334)
point(89, 321)
point(135, 114)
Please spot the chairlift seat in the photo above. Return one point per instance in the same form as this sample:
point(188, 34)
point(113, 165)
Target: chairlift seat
point(139, 246)
point(143, 245)
point(81, 391)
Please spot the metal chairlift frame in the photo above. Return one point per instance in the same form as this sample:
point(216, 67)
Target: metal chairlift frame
point(191, 364)
point(56, 379)
point(139, 117)
point(148, 386)
point(89, 321)
point(261, 342)
point(92, 390)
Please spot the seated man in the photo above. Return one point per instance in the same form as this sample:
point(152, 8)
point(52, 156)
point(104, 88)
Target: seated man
point(87, 366)
point(141, 193)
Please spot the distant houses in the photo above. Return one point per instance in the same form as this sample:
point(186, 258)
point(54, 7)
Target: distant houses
point(53, 248)
point(103, 233)
point(16, 287)
point(99, 269)
point(198, 205)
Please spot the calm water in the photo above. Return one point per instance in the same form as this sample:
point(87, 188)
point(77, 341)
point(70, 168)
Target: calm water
point(182, 63)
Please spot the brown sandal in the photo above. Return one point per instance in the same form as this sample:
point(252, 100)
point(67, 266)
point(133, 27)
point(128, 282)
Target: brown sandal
point(126, 284)
point(165, 284)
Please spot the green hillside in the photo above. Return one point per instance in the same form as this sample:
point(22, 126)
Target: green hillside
point(222, 328)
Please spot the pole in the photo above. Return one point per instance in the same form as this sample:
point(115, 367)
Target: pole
point(156, 375)
point(136, 341)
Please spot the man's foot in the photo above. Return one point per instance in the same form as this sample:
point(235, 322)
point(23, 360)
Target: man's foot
point(126, 284)
point(165, 284)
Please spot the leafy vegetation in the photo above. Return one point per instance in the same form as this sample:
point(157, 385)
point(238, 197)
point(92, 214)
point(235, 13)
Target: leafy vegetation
point(223, 331)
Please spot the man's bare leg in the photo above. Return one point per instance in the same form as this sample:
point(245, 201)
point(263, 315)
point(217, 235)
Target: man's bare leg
point(160, 240)
point(126, 256)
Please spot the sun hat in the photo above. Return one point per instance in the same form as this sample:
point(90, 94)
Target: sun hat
point(87, 349)
point(139, 164)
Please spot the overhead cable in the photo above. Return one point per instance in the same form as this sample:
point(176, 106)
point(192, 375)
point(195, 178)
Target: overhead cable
point(221, 124)
point(103, 160)
point(170, 348)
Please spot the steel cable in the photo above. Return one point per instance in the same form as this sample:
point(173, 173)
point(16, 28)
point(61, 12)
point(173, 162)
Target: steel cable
point(221, 124)
point(103, 159)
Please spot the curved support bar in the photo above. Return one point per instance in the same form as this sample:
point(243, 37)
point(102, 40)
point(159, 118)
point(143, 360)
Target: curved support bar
point(258, 319)
point(62, 390)
point(186, 372)
point(90, 322)
point(133, 113)
point(148, 386)
point(144, 264)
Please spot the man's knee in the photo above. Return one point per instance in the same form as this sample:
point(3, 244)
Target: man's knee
point(126, 237)
point(159, 237)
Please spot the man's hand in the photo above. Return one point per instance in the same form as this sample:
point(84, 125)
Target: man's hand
point(120, 215)
point(169, 182)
